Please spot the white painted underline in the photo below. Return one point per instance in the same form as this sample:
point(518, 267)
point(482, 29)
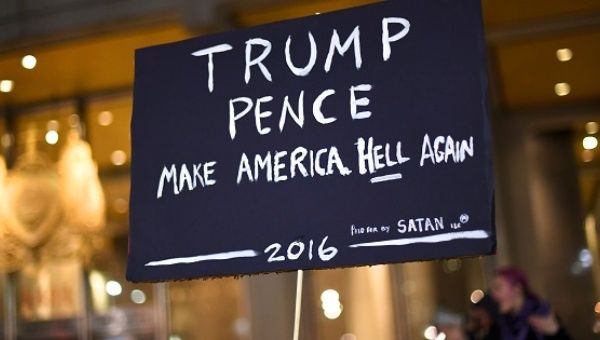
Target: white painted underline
point(200, 258)
point(460, 235)
point(386, 178)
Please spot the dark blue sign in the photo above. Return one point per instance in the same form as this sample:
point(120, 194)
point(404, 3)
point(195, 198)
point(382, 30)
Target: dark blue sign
point(353, 138)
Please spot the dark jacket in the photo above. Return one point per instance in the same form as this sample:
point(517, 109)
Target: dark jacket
point(516, 326)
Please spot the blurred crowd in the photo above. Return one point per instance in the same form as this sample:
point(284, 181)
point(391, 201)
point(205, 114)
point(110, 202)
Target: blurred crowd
point(511, 310)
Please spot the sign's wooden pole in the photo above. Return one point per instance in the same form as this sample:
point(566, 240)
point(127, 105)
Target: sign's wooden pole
point(298, 310)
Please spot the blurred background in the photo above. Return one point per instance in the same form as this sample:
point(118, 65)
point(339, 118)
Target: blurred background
point(66, 76)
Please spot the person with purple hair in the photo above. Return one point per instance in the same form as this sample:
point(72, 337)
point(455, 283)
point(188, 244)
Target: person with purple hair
point(523, 315)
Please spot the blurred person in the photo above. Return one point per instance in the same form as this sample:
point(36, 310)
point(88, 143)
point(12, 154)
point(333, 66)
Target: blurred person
point(450, 324)
point(482, 323)
point(523, 315)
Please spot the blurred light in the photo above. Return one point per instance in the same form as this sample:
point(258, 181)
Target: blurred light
point(586, 259)
point(29, 62)
point(242, 327)
point(105, 118)
point(577, 268)
point(587, 156)
point(52, 125)
point(317, 13)
point(597, 308)
point(596, 328)
point(6, 140)
point(138, 296)
point(562, 89)
point(452, 265)
point(118, 157)
point(98, 290)
point(564, 54)
point(120, 205)
point(590, 142)
point(333, 313)
point(175, 337)
point(441, 336)
point(348, 336)
point(52, 137)
point(74, 120)
point(331, 305)
point(591, 128)
point(6, 86)
point(113, 288)
point(330, 295)
point(477, 295)
point(330, 302)
point(430, 333)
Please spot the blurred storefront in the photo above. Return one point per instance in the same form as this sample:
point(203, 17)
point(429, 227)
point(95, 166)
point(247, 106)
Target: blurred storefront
point(66, 75)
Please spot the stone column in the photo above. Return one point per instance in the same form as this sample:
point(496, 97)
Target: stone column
point(559, 229)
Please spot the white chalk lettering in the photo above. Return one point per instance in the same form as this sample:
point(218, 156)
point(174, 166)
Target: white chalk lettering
point(260, 114)
point(355, 103)
point(183, 179)
point(240, 107)
point(336, 45)
point(258, 60)
point(385, 36)
point(168, 175)
point(372, 157)
point(281, 166)
point(298, 118)
point(244, 168)
point(297, 248)
point(301, 71)
point(318, 103)
point(233, 116)
point(446, 149)
point(211, 66)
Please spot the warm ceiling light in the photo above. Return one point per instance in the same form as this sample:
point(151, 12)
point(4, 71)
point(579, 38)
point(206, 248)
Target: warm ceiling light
point(52, 137)
point(118, 157)
point(6, 86)
point(564, 54)
point(597, 308)
point(591, 128)
point(590, 143)
point(562, 89)
point(105, 118)
point(29, 62)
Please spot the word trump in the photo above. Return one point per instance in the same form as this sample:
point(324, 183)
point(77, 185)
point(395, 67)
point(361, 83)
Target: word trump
point(258, 51)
